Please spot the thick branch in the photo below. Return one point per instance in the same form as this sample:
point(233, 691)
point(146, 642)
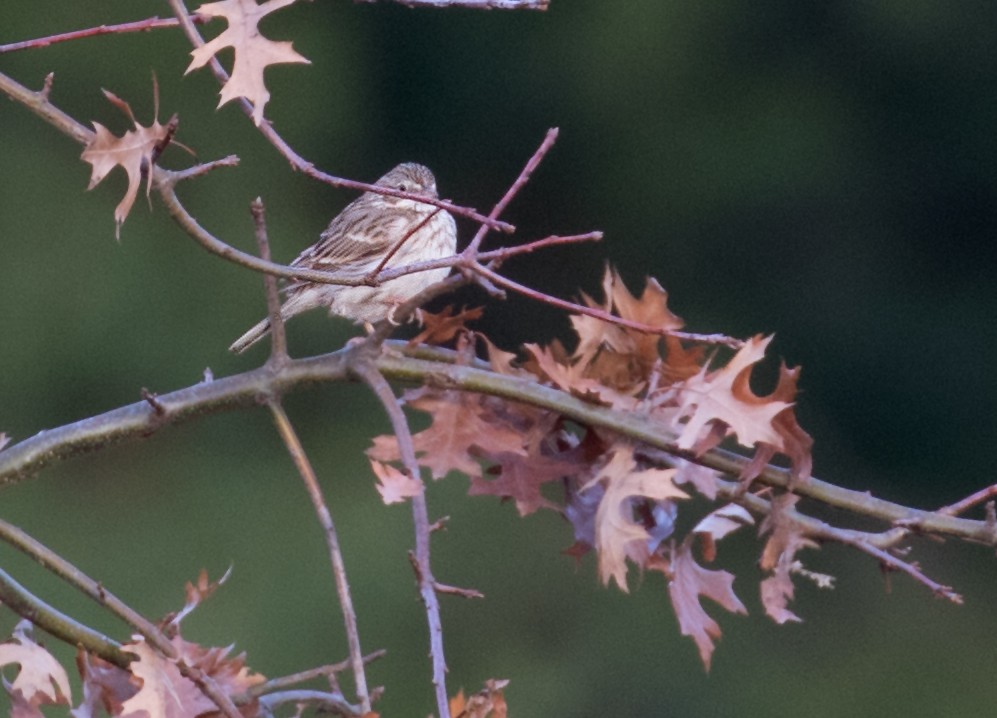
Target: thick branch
point(138, 420)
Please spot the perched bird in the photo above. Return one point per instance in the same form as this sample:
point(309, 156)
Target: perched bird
point(358, 239)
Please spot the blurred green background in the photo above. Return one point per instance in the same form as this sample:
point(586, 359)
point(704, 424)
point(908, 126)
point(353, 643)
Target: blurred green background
point(824, 171)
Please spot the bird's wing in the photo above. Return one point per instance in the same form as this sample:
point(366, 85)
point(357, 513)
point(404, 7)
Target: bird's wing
point(352, 241)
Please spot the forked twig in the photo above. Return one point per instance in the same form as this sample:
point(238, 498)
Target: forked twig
point(370, 375)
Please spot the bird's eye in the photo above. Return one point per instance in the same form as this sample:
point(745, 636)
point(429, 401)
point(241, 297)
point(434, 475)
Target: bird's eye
point(403, 187)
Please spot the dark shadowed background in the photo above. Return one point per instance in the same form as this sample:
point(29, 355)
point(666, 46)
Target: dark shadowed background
point(824, 171)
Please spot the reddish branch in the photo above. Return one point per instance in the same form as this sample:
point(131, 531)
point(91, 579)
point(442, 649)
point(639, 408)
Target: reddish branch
point(549, 139)
point(152, 23)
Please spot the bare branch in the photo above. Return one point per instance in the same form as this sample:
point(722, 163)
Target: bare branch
point(549, 139)
point(304, 466)
point(152, 23)
point(278, 337)
point(370, 374)
point(25, 604)
point(501, 281)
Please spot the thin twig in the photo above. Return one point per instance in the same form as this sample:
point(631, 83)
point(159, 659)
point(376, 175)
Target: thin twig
point(278, 337)
point(304, 466)
point(285, 682)
point(151, 23)
point(548, 141)
point(333, 703)
point(498, 279)
point(964, 505)
point(496, 256)
point(420, 517)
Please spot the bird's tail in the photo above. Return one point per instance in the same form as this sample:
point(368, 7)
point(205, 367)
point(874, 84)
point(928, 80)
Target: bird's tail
point(248, 339)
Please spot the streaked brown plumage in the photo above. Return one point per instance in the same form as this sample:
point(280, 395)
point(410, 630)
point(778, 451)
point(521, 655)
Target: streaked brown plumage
point(358, 239)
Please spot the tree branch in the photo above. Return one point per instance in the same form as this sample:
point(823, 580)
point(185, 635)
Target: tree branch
point(128, 423)
point(372, 376)
point(304, 466)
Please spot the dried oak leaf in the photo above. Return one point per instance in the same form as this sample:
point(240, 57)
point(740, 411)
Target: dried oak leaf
point(717, 524)
point(441, 328)
point(135, 151)
point(104, 684)
point(393, 485)
point(687, 582)
point(253, 52)
point(713, 404)
point(551, 363)
point(519, 477)
point(165, 693)
point(651, 309)
point(797, 444)
point(41, 679)
point(462, 424)
point(486, 703)
point(618, 534)
point(195, 593)
point(785, 539)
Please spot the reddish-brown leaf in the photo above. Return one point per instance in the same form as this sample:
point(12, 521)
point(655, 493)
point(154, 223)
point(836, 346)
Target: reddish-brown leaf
point(689, 581)
point(441, 328)
point(618, 534)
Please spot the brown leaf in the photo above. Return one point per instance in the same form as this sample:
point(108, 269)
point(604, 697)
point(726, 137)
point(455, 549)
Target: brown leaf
point(785, 539)
point(104, 684)
point(164, 692)
point(796, 443)
point(393, 485)
point(520, 477)
point(618, 535)
point(462, 423)
point(724, 396)
point(253, 52)
point(717, 524)
point(41, 680)
point(689, 581)
point(195, 594)
point(441, 328)
point(134, 152)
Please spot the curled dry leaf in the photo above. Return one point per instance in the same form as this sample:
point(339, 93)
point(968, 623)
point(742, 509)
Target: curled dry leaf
point(41, 680)
point(441, 328)
point(135, 152)
point(687, 582)
point(253, 52)
point(619, 535)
